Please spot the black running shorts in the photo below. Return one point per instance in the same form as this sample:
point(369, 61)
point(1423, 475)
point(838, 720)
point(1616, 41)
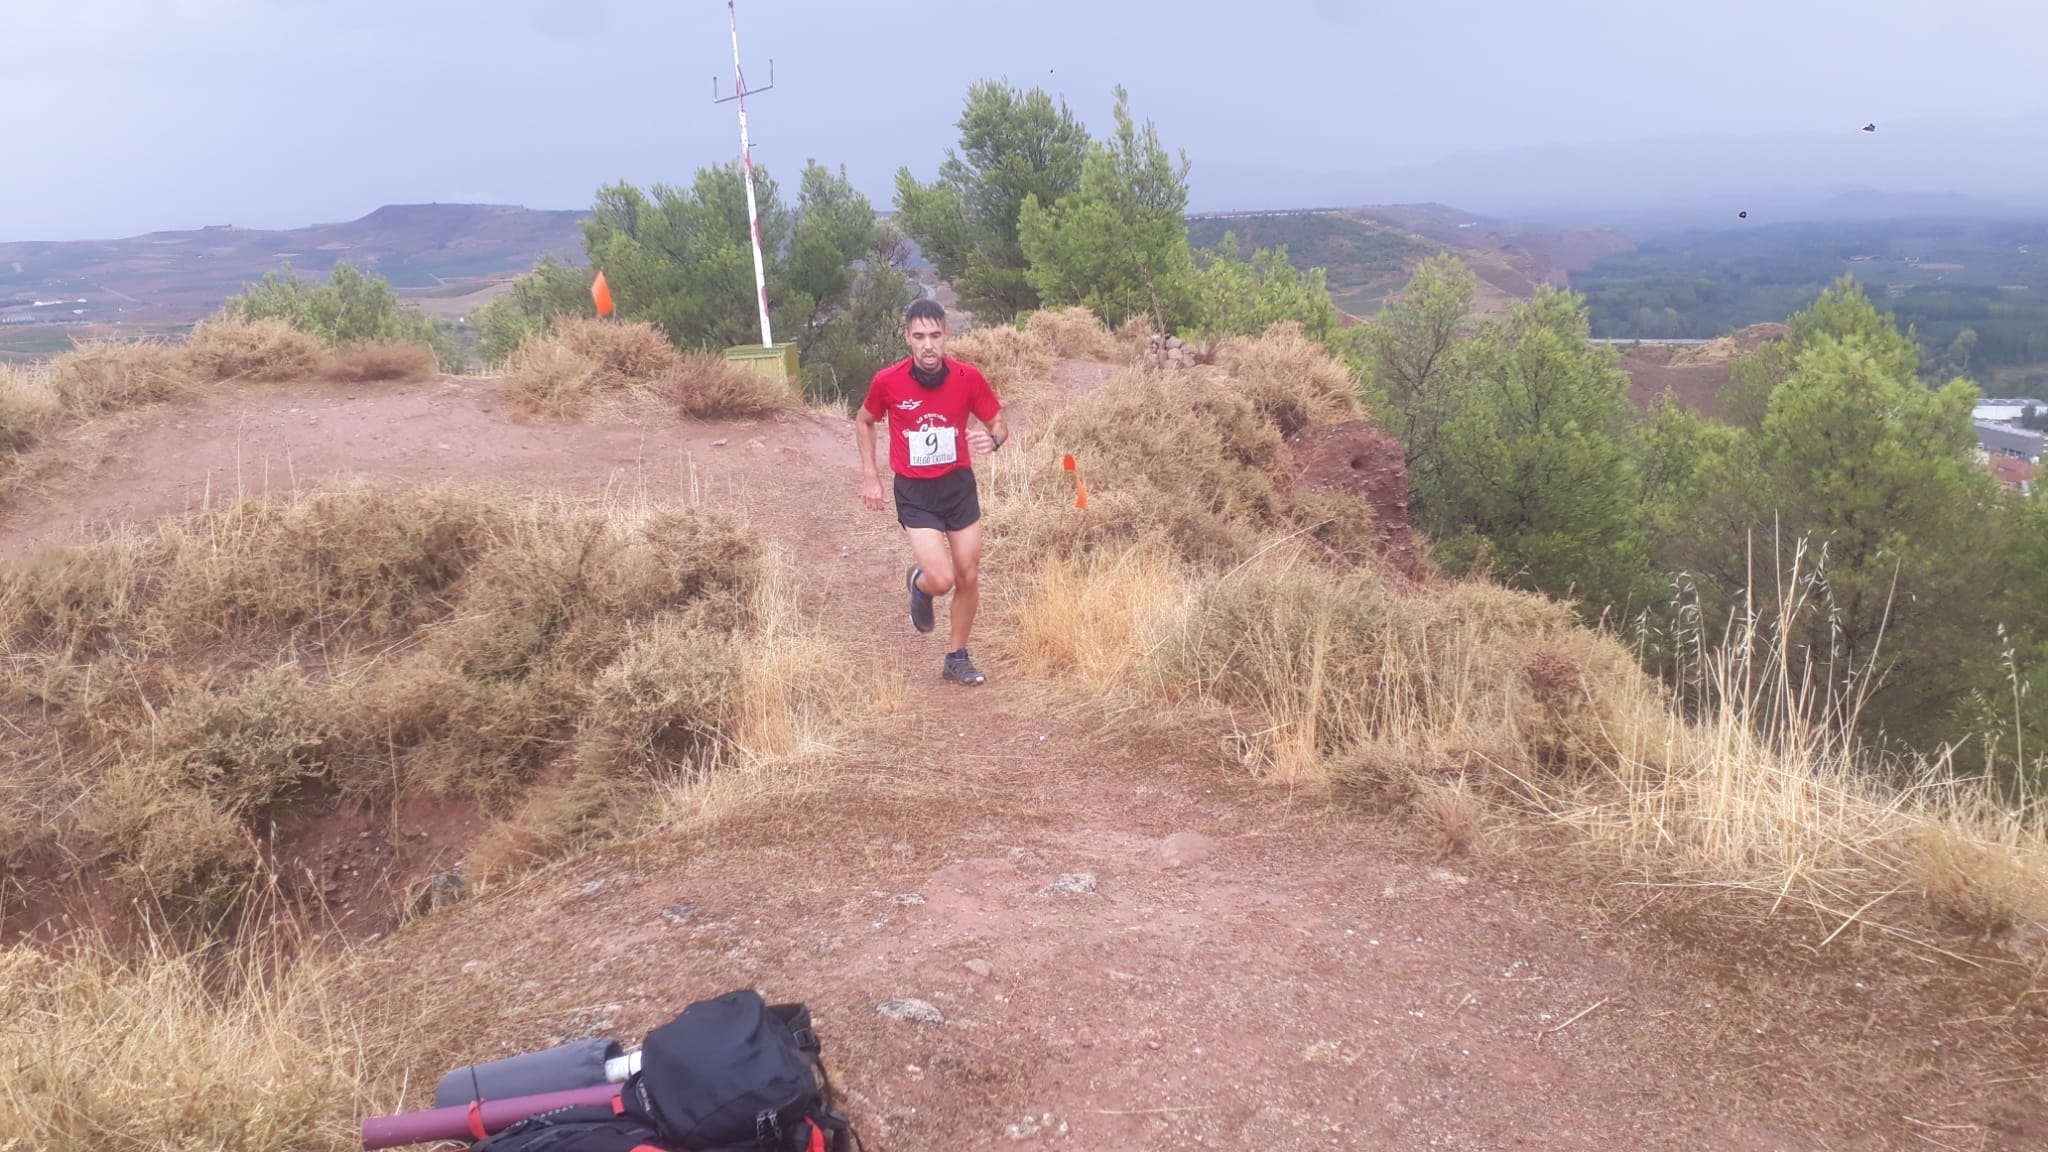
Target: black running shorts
point(948, 503)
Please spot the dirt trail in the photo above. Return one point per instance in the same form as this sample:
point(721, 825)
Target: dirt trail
point(1249, 971)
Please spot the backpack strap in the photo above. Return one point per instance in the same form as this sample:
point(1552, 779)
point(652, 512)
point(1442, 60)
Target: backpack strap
point(797, 1018)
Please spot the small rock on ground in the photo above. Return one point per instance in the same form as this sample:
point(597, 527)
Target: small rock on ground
point(1072, 884)
point(679, 912)
point(980, 967)
point(1184, 849)
point(917, 1011)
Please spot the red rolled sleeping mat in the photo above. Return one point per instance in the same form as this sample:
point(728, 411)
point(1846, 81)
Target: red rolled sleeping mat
point(476, 1120)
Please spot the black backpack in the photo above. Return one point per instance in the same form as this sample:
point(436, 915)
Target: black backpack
point(579, 1128)
point(737, 1075)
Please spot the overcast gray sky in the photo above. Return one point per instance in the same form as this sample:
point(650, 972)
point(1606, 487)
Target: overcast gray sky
point(122, 116)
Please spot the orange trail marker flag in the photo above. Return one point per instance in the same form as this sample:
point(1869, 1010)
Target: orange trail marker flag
point(1080, 496)
point(601, 295)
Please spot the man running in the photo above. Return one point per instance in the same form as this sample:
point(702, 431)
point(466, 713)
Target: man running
point(927, 399)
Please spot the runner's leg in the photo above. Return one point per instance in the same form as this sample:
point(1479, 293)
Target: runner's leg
point(928, 545)
point(966, 572)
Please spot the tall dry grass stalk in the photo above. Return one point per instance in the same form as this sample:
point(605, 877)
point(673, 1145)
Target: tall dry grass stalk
point(257, 1051)
point(29, 406)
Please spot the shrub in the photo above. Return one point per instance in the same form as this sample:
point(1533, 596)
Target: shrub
point(1007, 356)
point(29, 406)
point(1181, 455)
point(1073, 333)
point(102, 376)
point(461, 639)
point(352, 307)
point(390, 360)
point(663, 704)
point(630, 353)
point(1291, 379)
point(584, 364)
point(708, 386)
point(229, 349)
point(544, 378)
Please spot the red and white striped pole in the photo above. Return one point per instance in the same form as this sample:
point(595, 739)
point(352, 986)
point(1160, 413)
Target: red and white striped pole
point(747, 164)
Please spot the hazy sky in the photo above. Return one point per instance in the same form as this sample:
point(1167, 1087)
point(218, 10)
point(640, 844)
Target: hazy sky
point(122, 116)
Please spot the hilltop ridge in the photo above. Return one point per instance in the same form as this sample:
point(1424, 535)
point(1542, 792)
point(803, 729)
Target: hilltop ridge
point(175, 278)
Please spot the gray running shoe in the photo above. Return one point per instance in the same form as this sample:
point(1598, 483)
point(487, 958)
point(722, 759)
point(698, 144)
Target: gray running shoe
point(961, 670)
point(920, 602)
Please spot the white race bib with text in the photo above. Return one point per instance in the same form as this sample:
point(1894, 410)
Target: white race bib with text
point(931, 447)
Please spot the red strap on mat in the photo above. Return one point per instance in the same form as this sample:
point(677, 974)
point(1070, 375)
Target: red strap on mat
point(476, 1119)
point(817, 1138)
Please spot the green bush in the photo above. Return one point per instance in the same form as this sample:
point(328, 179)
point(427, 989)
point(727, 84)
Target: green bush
point(352, 307)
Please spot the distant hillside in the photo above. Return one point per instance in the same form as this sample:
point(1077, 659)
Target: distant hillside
point(1370, 252)
point(168, 279)
point(1936, 275)
point(1364, 261)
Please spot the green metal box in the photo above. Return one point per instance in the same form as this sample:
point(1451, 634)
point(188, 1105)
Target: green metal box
point(777, 362)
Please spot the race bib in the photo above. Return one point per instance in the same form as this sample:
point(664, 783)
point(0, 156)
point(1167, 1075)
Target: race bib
point(931, 447)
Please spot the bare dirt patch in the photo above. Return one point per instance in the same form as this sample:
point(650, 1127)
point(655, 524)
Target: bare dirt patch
point(1696, 375)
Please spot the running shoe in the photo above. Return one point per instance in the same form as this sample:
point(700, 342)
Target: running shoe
point(961, 670)
point(920, 602)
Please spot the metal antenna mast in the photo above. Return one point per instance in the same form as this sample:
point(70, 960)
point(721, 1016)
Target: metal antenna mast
point(740, 93)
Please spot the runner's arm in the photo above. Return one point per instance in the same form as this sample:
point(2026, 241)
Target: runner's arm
point(870, 475)
point(998, 428)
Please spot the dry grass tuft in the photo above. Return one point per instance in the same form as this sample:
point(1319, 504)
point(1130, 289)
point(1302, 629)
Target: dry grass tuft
point(584, 367)
point(224, 350)
point(1007, 356)
point(1073, 334)
point(1454, 811)
point(635, 351)
point(1181, 456)
point(707, 386)
point(29, 406)
point(253, 1052)
point(103, 376)
point(545, 379)
point(664, 704)
point(1986, 873)
point(1095, 616)
point(403, 641)
point(1291, 380)
point(393, 360)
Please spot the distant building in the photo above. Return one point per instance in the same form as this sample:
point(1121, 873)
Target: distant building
point(2015, 474)
point(2005, 411)
point(2005, 440)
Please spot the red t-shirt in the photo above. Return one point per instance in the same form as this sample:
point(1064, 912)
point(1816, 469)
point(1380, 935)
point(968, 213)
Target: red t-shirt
point(928, 426)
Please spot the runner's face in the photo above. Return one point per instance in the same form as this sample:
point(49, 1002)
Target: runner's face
point(927, 342)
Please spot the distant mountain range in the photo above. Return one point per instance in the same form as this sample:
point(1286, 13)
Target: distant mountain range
point(1963, 166)
point(174, 278)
